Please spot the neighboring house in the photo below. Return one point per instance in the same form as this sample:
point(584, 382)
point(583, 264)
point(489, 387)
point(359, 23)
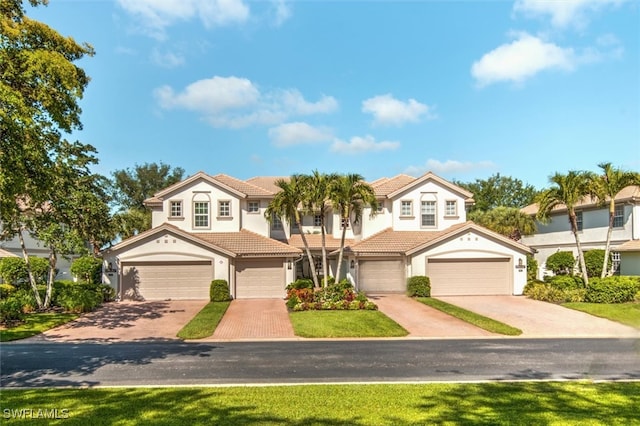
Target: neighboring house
point(593, 222)
point(208, 227)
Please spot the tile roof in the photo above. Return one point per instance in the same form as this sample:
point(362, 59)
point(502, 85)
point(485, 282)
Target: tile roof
point(246, 243)
point(242, 186)
point(384, 187)
point(267, 182)
point(631, 245)
point(629, 193)
point(315, 242)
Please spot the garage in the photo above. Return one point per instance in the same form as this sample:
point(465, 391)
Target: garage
point(166, 280)
point(470, 277)
point(260, 279)
point(381, 275)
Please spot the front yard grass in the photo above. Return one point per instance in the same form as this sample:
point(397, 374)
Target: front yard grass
point(471, 317)
point(522, 403)
point(205, 322)
point(339, 323)
point(35, 323)
point(625, 313)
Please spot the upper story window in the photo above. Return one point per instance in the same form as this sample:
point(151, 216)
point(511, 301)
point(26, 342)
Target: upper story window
point(253, 207)
point(618, 216)
point(175, 209)
point(406, 208)
point(579, 221)
point(224, 208)
point(276, 223)
point(317, 220)
point(201, 214)
point(451, 208)
point(428, 213)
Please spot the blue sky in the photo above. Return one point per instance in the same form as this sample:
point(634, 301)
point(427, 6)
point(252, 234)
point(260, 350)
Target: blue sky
point(464, 89)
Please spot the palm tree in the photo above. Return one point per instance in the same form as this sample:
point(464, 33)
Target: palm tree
point(507, 221)
point(349, 194)
point(605, 188)
point(567, 190)
point(286, 204)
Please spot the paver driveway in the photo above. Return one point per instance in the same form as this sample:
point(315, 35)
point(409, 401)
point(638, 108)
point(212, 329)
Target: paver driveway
point(127, 321)
point(254, 319)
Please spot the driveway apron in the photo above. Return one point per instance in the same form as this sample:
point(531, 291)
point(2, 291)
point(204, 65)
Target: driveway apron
point(421, 320)
point(541, 319)
point(255, 319)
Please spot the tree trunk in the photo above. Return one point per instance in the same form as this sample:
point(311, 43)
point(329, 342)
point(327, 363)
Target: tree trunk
point(32, 279)
point(583, 266)
point(340, 254)
point(51, 277)
point(324, 254)
point(312, 267)
point(612, 210)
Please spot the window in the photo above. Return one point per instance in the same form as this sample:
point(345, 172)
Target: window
point(406, 208)
point(253, 207)
point(201, 214)
point(615, 261)
point(175, 209)
point(428, 213)
point(317, 220)
point(618, 217)
point(224, 208)
point(380, 207)
point(276, 223)
point(345, 223)
point(451, 208)
point(579, 221)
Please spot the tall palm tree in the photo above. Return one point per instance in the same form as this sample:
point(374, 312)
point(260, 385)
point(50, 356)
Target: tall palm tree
point(567, 190)
point(349, 195)
point(605, 188)
point(286, 204)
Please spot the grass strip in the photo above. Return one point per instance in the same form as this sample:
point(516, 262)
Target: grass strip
point(521, 403)
point(36, 323)
point(361, 323)
point(205, 322)
point(625, 313)
point(471, 317)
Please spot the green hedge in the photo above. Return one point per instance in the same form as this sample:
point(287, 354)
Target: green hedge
point(561, 263)
point(546, 292)
point(419, 286)
point(616, 289)
point(219, 291)
point(565, 282)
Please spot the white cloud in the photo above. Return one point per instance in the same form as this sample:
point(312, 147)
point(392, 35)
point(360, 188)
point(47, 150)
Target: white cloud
point(282, 12)
point(387, 110)
point(522, 59)
point(289, 134)
point(563, 13)
point(167, 59)
point(361, 145)
point(237, 102)
point(449, 166)
point(156, 15)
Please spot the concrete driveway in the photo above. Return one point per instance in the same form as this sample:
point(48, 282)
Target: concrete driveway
point(127, 321)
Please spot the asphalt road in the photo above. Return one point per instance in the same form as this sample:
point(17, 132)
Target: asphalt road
point(176, 363)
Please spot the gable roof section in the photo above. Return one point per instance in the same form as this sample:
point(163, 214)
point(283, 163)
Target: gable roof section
point(432, 177)
point(384, 186)
point(250, 190)
point(268, 183)
point(315, 242)
point(158, 197)
point(630, 193)
point(248, 244)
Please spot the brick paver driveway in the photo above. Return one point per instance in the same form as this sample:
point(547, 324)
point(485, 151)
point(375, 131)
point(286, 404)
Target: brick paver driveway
point(255, 319)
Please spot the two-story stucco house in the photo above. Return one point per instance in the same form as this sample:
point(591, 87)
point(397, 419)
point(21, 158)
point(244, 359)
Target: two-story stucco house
point(208, 227)
point(593, 222)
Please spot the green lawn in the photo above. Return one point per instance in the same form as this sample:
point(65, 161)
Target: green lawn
point(625, 313)
point(532, 403)
point(471, 317)
point(345, 324)
point(205, 322)
point(34, 324)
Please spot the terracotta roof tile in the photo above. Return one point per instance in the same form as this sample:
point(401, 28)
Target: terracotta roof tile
point(631, 245)
point(315, 242)
point(247, 243)
point(629, 193)
point(393, 184)
point(267, 182)
point(242, 186)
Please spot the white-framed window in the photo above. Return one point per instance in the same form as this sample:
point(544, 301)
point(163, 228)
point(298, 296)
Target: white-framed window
point(276, 223)
point(451, 208)
point(615, 261)
point(579, 221)
point(618, 216)
point(201, 214)
point(406, 208)
point(253, 207)
point(224, 208)
point(175, 208)
point(428, 213)
point(317, 220)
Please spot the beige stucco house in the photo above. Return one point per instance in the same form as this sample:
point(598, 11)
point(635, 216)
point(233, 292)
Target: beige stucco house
point(593, 222)
point(208, 227)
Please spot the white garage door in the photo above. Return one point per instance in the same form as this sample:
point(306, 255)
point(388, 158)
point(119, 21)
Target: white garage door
point(260, 279)
point(166, 280)
point(381, 275)
point(469, 277)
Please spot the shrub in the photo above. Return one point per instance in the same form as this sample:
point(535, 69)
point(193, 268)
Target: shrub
point(419, 286)
point(88, 269)
point(301, 283)
point(616, 289)
point(108, 293)
point(593, 260)
point(561, 263)
point(565, 282)
point(11, 310)
point(79, 298)
point(6, 290)
point(219, 291)
point(547, 292)
point(532, 268)
point(292, 301)
point(26, 299)
point(13, 270)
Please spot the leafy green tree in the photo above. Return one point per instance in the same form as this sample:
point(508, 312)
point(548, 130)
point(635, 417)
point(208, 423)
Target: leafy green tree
point(594, 259)
point(130, 187)
point(349, 195)
point(567, 191)
point(605, 187)
point(507, 221)
point(287, 204)
point(561, 263)
point(87, 268)
point(499, 191)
